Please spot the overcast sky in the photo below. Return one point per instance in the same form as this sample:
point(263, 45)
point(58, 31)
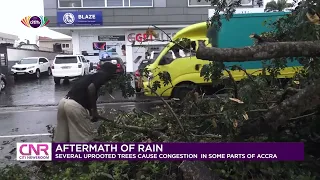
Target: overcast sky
point(14, 10)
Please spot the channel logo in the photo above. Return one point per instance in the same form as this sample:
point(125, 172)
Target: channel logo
point(34, 151)
point(35, 21)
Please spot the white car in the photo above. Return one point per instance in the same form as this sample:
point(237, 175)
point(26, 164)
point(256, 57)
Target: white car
point(31, 66)
point(69, 67)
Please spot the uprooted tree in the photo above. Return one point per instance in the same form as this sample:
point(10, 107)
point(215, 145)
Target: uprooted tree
point(258, 108)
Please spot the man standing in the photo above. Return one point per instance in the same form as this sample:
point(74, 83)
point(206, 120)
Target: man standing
point(74, 123)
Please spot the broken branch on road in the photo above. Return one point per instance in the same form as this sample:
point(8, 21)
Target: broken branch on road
point(155, 131)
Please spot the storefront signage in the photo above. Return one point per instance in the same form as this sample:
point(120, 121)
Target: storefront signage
point(80, 18)
point(143, 37)
point(111, 38)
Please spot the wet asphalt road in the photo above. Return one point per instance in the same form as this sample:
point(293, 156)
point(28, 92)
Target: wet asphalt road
point(43, 91)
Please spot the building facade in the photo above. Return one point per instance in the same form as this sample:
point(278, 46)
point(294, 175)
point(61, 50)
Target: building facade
point(46, 44)
point(8, 38)
point(114, 25)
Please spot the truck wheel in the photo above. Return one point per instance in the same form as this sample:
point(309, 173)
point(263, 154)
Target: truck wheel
point(181, 90)
point(56, 80)
point(138, 89)
point(37, 74)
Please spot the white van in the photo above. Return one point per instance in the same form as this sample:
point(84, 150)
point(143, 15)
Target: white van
point(69, 67)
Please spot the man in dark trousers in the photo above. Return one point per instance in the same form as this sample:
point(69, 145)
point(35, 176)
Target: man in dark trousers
point(74, 110)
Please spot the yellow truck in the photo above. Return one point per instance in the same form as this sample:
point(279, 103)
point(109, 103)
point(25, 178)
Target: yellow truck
point(185, 70)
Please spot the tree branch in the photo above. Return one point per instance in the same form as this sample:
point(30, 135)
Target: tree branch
point(170, 109)
point(290, 108)
point(197, 170)
point(290, 91)
point(259, 52)
point(233, 82)
point(155, 132)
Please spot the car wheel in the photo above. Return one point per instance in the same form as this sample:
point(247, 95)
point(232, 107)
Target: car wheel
point(56, 80)
point(37, 74)
point(49, 72)
point(2, 84)
point(15, 77)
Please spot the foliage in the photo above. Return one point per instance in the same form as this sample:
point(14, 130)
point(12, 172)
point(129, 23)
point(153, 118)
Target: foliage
point(220, 119)
point(278, 5)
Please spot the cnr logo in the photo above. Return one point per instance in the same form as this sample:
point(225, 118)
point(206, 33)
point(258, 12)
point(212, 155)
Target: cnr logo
point(35, 22)
point(139, 37)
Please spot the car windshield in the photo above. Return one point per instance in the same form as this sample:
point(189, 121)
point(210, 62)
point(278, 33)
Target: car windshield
point(28, 61)
point(66, 60)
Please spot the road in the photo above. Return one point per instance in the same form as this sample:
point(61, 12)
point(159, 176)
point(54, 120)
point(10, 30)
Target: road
point(44, 92)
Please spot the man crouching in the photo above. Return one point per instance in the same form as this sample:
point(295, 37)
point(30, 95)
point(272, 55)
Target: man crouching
point(74, 123)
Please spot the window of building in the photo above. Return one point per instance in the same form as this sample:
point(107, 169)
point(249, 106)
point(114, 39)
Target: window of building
point(65, 46)
point(205, 3)
point(94, 3)
point(141, 3)
point(70, 3)
point(201, 3)
point(105, 3)
point(129, 3)
point(114, 3)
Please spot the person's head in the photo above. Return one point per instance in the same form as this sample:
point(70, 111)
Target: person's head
point(123, 49)
point(108, 69)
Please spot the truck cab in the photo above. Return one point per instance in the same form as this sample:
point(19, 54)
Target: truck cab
point(182, 65)
point(185, 69)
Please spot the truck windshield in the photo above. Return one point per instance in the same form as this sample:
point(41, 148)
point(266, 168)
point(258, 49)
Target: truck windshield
point(28, 61)
point(66, 60)
point(155, 56)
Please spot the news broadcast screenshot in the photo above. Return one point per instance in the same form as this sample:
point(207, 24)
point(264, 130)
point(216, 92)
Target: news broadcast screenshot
point(160, 90)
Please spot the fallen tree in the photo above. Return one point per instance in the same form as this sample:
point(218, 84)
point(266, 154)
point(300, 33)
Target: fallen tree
point(263, 51)
point(302, 101)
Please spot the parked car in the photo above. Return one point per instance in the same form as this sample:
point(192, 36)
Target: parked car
point(116, 60)
point(137, 75)
point(33, 66)
point(69, 67)
point(3, 82)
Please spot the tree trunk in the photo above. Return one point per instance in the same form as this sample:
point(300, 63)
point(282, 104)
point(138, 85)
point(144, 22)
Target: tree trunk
point(262, 51)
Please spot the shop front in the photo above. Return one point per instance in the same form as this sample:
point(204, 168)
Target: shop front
point(94, 43)
point(131, 43)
